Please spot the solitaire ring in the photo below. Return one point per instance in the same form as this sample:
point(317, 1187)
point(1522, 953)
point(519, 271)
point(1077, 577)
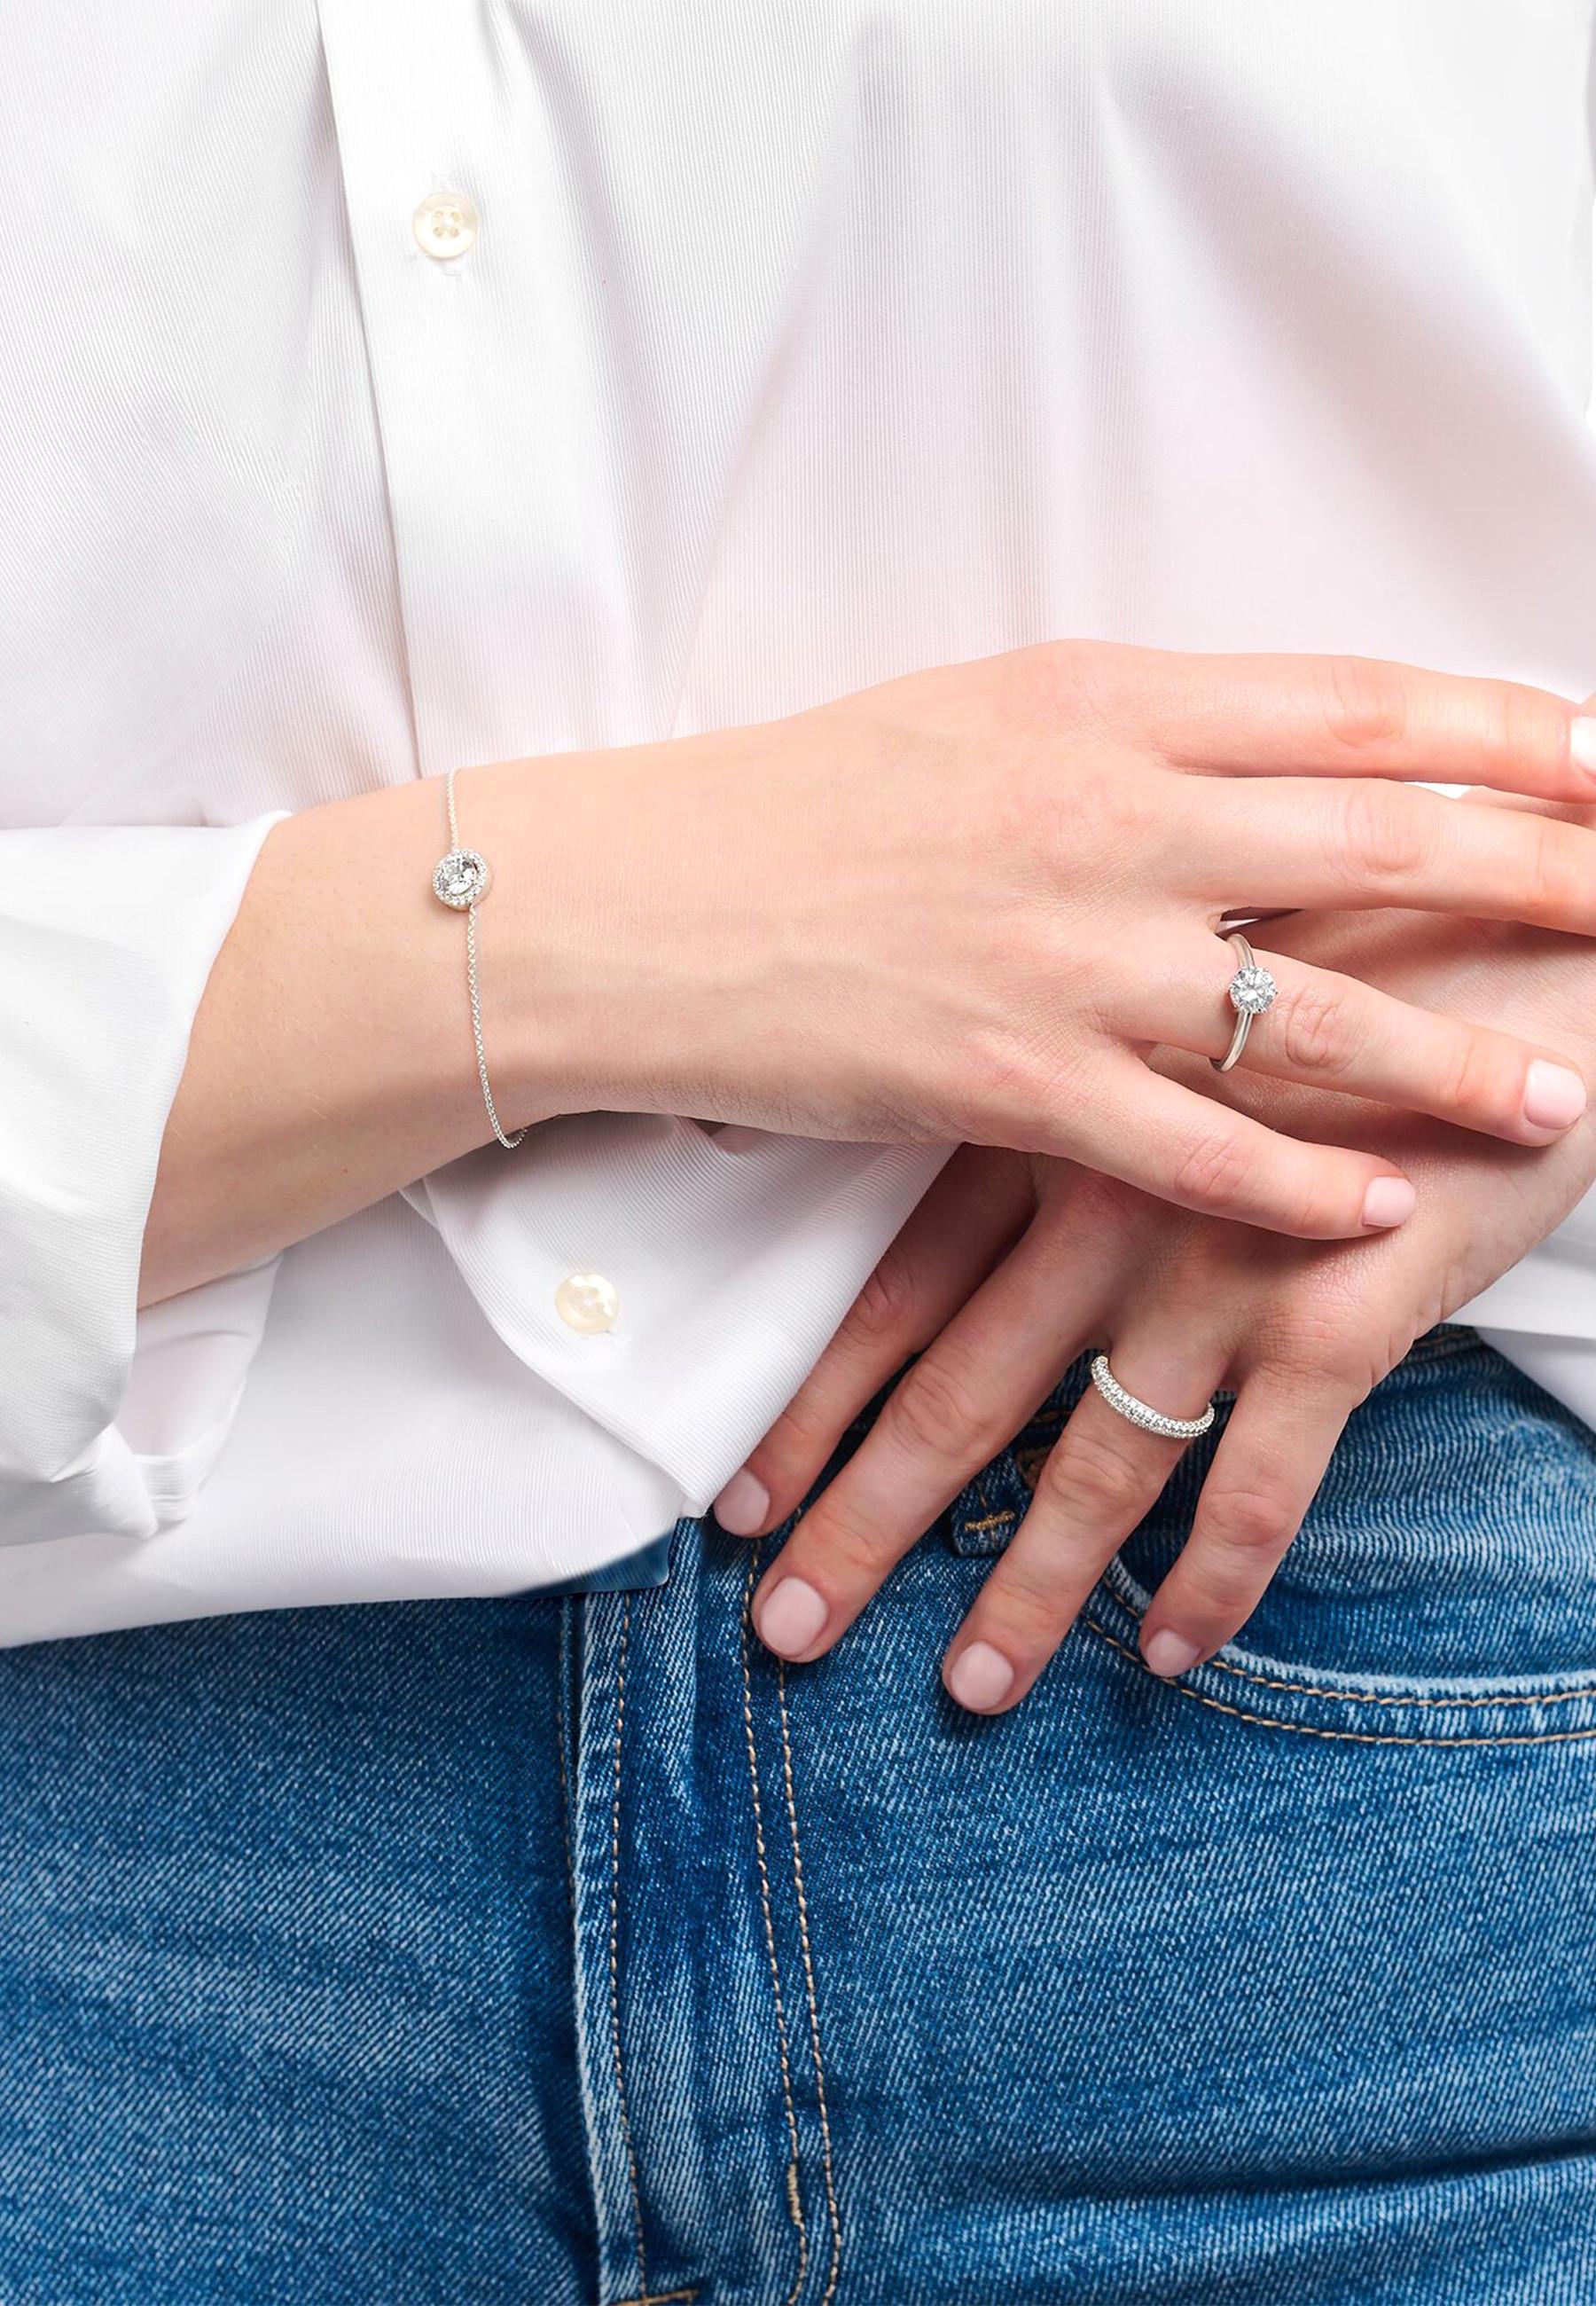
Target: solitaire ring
point(1142, 1412)
point(1252, 990)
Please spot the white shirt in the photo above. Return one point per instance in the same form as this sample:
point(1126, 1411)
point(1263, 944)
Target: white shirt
point(793, 347)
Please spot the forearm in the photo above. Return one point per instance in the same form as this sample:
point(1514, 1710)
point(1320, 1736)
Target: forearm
point(332, 1059)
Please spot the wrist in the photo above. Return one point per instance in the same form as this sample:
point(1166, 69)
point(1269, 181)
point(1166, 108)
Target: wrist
point(604, 929)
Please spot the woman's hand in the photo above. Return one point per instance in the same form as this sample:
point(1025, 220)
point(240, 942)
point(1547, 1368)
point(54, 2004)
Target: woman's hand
point(1011, 1266)
point(959, 906)
point(964, 905)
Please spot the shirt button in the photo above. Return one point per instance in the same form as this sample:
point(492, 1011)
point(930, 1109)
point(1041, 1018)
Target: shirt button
point(445, 224)
point(587, 1301)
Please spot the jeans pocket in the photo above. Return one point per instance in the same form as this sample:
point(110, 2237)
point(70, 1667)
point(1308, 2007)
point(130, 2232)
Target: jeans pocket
point(1442, 1589)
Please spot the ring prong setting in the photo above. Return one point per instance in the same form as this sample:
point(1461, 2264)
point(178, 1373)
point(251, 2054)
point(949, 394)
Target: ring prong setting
point(1252, 990)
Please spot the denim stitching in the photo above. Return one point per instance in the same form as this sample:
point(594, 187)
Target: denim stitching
point(833, 2214)
point(1369, 1697)
point(659, 2297)
point(620, 2082)
point(565, 1774)
point(992, 1521)
point(795, 2200)
point(1380, 1697)
point(1337, 1737)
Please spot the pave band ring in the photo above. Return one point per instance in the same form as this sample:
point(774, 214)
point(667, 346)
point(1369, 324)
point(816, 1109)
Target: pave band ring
point(1252, 990)
point(1142, 1412)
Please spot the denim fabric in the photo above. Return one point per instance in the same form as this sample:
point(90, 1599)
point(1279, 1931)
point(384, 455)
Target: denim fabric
point(571, 1951)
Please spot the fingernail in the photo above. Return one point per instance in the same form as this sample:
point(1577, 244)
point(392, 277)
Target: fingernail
point(1389, 1202)
point(790, 1616)
point(743, 1504)
point(1168, 1653)
point(1554, 1096)
point(1582, 746)
point(980, 1677)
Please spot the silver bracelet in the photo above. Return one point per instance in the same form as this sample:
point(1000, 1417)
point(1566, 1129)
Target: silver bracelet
point(460, 880)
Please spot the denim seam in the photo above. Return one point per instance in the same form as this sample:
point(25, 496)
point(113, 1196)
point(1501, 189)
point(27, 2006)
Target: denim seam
point(659, 2297)
point(1585, 1691)
point(1337, 1737)
point(833, 2215)
point(621, 2083)
point(795, 2199)
point(1373, 1697)
point(565, 1772)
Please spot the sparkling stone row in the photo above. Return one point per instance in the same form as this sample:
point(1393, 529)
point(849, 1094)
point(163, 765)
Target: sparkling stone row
point(1142, 1412)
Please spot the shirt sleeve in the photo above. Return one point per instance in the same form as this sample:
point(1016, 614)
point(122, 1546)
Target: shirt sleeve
point(107, 935)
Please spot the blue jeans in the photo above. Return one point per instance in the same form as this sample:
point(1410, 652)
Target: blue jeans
point(570, 1951)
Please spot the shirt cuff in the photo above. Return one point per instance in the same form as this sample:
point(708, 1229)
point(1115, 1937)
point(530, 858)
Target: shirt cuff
point(108, 936)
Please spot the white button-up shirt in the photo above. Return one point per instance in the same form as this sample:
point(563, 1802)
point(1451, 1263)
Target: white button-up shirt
point(389, 388)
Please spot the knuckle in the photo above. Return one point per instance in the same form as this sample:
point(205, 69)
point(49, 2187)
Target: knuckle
point(884, 1311)
point(1214, 1170)
point(1387, 834)
point(1318, 1341)
point(1316, 1033)
point(1366, 703)
point(1027, 1595)
point(804, 1431)
point(1519, 726)
point(1077, 683)
point(1555, 881)
point(855, 1549)
point(1252, 1520)
point(1097, 1470)
point(937, 1413)
point(1471, 1079)
point(1020, 1089)
point(998, 1094)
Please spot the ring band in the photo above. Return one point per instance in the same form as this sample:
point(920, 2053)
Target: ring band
point(1142, 1412)
point(1252, 991)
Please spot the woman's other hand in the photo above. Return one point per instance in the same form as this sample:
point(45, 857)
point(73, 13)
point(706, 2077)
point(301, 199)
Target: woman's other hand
point(1011, 1266)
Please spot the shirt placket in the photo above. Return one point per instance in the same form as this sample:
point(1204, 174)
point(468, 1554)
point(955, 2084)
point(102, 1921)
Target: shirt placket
point(485, 346)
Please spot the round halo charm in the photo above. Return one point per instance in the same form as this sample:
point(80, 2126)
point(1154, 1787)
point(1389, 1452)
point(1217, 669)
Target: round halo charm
point(461, 878)
point(1252, 990)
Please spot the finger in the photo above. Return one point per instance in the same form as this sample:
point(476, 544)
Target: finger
point(1200, 1154)
point(948, 1417)
point(973, 1212)
point(1333, 1031)
point(1291, 841)
point(1103, 1477)
point(1266, 715)
point(1265, 1471)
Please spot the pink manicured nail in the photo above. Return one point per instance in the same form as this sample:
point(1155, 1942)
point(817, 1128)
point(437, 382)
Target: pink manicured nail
point(1389, 1202)
point(1554, 1096)
point(790, 1616)
point(743, 1504)
point(1582, 746)
point(1168, 1653)
point(980, 1677)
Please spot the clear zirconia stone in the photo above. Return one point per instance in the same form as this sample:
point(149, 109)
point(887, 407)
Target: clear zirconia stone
point(460, 879)
point(1252, 991)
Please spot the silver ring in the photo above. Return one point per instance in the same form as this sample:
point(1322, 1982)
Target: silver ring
point(1252, 991)
point(1142, 1412)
